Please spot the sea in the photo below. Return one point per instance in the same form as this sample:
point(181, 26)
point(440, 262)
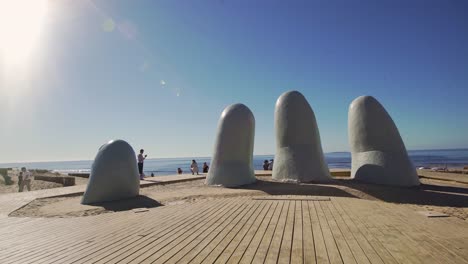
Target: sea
point(336, 160)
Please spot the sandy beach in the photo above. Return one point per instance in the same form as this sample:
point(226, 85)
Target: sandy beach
point(440, 191)
point(441, 195)
point(35, 184)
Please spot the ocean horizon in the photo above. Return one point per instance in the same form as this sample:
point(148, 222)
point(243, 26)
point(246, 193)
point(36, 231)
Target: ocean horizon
point(335, 160)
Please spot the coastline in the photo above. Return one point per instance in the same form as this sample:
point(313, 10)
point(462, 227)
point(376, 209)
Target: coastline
point(48, 179)
point(454, 159)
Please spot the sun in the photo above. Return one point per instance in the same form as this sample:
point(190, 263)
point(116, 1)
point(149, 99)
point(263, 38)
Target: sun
point(21, 22)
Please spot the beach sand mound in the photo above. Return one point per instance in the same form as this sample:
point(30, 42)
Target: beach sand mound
point(36, 184)
point(71, 207)
point(433, 195)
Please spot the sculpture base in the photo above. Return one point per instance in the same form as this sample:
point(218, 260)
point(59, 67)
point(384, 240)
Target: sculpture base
point(384, 168)
point(300, 163)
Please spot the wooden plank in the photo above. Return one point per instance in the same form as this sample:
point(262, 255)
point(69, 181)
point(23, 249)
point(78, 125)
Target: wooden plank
point(113, 231)
point(163, 254)
point(368, 245)
point(17, 232)
point(128, 252)
point(263, 247)
point(233, 245)
point(421, 230)
point(203, 239)
point(154, 243)
point(341, 243)
point(332, 248)
point(196, 246)
point(390, 223)
point(297, 250)
point(59, 235)
point(256, 228)
point(275, 246)
point(389, 240)
point(52, 239)
point(321, 254)
point(217, 250)
point(253, 246)
point(422, 254)
point(286, 242)
point(415, 236)
point(133, 230)
point(348, 236)
point(382, 232)
point(292, 198)
point(383, 253)
point(76, 239)
point(220, 237)
point(307, 235)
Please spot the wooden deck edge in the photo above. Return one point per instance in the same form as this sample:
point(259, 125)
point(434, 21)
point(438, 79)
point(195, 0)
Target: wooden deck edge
point(151, 183)
point(442, 179)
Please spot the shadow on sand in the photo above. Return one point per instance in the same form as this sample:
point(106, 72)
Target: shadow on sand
point(285, 188)
point(425, 194)
point(140, 201)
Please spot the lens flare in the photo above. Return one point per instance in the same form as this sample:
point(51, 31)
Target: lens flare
point(21, 22)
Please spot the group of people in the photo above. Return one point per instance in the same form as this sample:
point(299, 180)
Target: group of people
point(24, 179)
point(193, 167)
point(268, 165)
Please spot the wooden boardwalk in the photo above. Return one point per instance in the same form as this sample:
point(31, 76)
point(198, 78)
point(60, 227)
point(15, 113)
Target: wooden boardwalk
point(267, 229)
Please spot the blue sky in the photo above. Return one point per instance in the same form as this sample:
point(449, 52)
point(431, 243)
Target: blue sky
point(159, 73)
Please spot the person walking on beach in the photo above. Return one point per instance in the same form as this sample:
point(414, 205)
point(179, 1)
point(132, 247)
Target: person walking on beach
point(26, 179)
point(265, 165)
point(194, 167)
point(141, 159)
point(205, 167)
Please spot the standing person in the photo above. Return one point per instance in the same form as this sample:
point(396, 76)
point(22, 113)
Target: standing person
point(205, 167)
point(141, 159)
point(194, 167)
point(265, 165)
point(26, 180)
point(20, 179)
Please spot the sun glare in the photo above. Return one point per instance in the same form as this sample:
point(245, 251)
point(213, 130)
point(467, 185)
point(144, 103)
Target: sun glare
point(21, 22)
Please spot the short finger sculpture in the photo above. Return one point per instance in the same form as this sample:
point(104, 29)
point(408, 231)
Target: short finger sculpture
point(377, 150)
point(299, 156)
point(232, 163)
point(114, 174)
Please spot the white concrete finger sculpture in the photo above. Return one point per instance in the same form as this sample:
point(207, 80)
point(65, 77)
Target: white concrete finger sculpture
point(232, 162)
point(114, 174)
point(299, 156)
point(378, 154)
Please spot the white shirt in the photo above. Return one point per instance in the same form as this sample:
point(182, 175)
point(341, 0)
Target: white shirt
point(141, 158)
point(194, 166)
point(26, 175)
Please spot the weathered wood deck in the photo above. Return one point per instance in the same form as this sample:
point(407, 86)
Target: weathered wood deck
point(272, 229)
